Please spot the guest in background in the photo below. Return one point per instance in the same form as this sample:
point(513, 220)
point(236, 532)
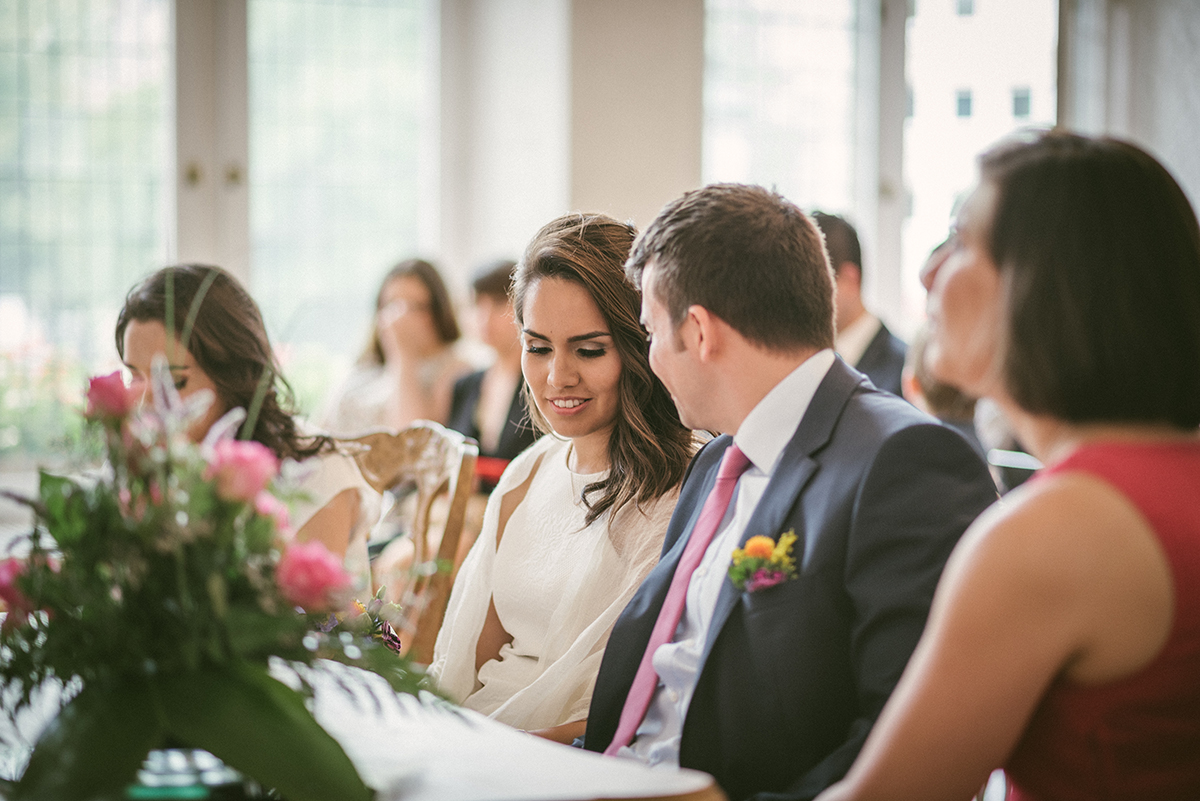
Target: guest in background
point(408, 369)
point(489, 405)
point(944, 401)
point(226, 351)
point(862, 338)
point(577, 520)
point(1064, 640)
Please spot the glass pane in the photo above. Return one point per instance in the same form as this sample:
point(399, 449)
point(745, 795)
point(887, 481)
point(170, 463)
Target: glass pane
point(962, 70)
point(779, 97)
point(337, 136)
point(83, 154)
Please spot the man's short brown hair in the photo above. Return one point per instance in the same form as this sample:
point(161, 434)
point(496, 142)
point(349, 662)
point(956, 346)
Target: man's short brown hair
point(748, 256)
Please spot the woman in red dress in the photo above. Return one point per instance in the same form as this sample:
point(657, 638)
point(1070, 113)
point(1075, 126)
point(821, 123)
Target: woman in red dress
point(1064, 640)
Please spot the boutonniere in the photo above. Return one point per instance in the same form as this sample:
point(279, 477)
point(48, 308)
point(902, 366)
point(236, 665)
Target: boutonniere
point(763, 563)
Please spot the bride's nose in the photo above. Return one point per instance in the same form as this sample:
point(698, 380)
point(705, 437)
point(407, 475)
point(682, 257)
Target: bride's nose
point(563, 372)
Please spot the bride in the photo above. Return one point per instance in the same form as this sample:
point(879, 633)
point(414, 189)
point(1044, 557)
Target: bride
point(577, 520)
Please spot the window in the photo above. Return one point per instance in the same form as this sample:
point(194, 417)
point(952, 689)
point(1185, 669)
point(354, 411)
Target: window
point(337, 134)
point(1006, 47)
point(962, 103)
point(964, 8)
point(85, 92)
point(1020, 102)
point(779, 97)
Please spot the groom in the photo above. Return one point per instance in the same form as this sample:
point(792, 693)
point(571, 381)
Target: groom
point(773, 689)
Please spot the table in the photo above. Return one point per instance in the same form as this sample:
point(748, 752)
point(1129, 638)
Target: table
point(424, 750)
point(412, 749)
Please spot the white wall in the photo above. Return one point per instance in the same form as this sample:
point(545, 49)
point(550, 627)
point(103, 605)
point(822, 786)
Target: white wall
point(637, 80)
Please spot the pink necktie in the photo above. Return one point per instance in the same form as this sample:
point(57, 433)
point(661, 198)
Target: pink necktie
point(733, 464)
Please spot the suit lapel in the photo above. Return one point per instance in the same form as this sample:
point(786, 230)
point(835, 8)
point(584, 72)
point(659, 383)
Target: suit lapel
point(796, 467)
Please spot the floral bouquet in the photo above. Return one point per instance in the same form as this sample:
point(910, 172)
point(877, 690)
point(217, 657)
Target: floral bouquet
point(158, 593)
point(763, 563)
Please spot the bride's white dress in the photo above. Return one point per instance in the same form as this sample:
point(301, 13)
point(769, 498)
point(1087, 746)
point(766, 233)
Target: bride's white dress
point(558, 587)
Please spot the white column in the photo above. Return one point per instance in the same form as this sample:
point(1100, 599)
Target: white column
point(550, 106)
point(881, 196)
point(212, 219)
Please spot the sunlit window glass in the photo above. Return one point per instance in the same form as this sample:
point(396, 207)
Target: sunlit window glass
point(779, 97)
point(338, 139)
point(84, 135)
point(963, 70)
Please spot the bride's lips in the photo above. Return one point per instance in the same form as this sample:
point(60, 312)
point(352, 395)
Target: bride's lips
point(568, 406)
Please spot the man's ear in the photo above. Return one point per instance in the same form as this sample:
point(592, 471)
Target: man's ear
point(707, 332)
point(850, 273)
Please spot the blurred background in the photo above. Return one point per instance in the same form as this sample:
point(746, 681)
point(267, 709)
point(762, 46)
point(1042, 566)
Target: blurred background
point(308, 145)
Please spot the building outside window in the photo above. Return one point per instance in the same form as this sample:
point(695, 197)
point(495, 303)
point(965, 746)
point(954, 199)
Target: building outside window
point(1004, 45)
point(965, 8)
point(962, 103)
point(1020, 102)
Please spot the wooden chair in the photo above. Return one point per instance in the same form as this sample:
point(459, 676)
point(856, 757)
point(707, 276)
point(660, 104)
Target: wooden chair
point(433, 460)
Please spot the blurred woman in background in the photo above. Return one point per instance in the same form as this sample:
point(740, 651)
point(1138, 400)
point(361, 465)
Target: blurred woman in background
point(408, 369)
point(218, 343)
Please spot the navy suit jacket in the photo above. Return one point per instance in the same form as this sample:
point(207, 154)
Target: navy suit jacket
point(793, 676)
point(883, 360)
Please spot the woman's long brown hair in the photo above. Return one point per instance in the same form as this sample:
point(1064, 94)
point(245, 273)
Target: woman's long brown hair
point(220, 325)
point(649, 448)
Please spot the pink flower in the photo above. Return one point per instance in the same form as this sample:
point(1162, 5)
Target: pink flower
point(267, 505)
point(109, 398)
point(763, 578)
point(242, 469)
point(311, 577)
point(18, 605)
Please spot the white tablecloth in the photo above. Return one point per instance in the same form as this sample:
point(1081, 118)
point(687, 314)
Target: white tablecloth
point(426, 750)
point(418, 751)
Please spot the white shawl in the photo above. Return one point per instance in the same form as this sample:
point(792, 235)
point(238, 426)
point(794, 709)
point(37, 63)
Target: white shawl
point(617, 557)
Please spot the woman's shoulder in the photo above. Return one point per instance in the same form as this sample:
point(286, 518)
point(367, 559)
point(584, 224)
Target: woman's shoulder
point(1074, 554)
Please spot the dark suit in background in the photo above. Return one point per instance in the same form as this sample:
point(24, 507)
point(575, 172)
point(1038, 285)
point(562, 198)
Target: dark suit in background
point(883, 360)
point(793, 676)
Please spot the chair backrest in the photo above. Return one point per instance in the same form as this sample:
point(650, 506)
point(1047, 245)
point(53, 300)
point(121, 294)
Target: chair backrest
point(432, 460)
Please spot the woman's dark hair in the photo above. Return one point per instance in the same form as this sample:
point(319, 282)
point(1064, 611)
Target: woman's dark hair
point(649, 448)
point(441, 310)
point(1099, 250)
point(494, 279)
point(219, 324)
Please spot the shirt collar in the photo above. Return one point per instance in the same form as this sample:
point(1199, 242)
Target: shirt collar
point(770, 425)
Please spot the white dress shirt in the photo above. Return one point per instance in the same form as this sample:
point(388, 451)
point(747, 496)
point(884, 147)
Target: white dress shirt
point(762, 437)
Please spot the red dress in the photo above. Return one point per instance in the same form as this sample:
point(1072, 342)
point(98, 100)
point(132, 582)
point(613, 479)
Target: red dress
point(1139, 737)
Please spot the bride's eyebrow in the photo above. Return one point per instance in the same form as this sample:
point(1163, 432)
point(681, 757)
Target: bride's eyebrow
point(592, 335)
point(581, 337)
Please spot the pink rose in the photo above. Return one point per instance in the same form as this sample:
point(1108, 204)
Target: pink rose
point(311, 577)
point(109, 398)
point(242, 469)
point(18, 605)
point(267, 505)
point(763, 578)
